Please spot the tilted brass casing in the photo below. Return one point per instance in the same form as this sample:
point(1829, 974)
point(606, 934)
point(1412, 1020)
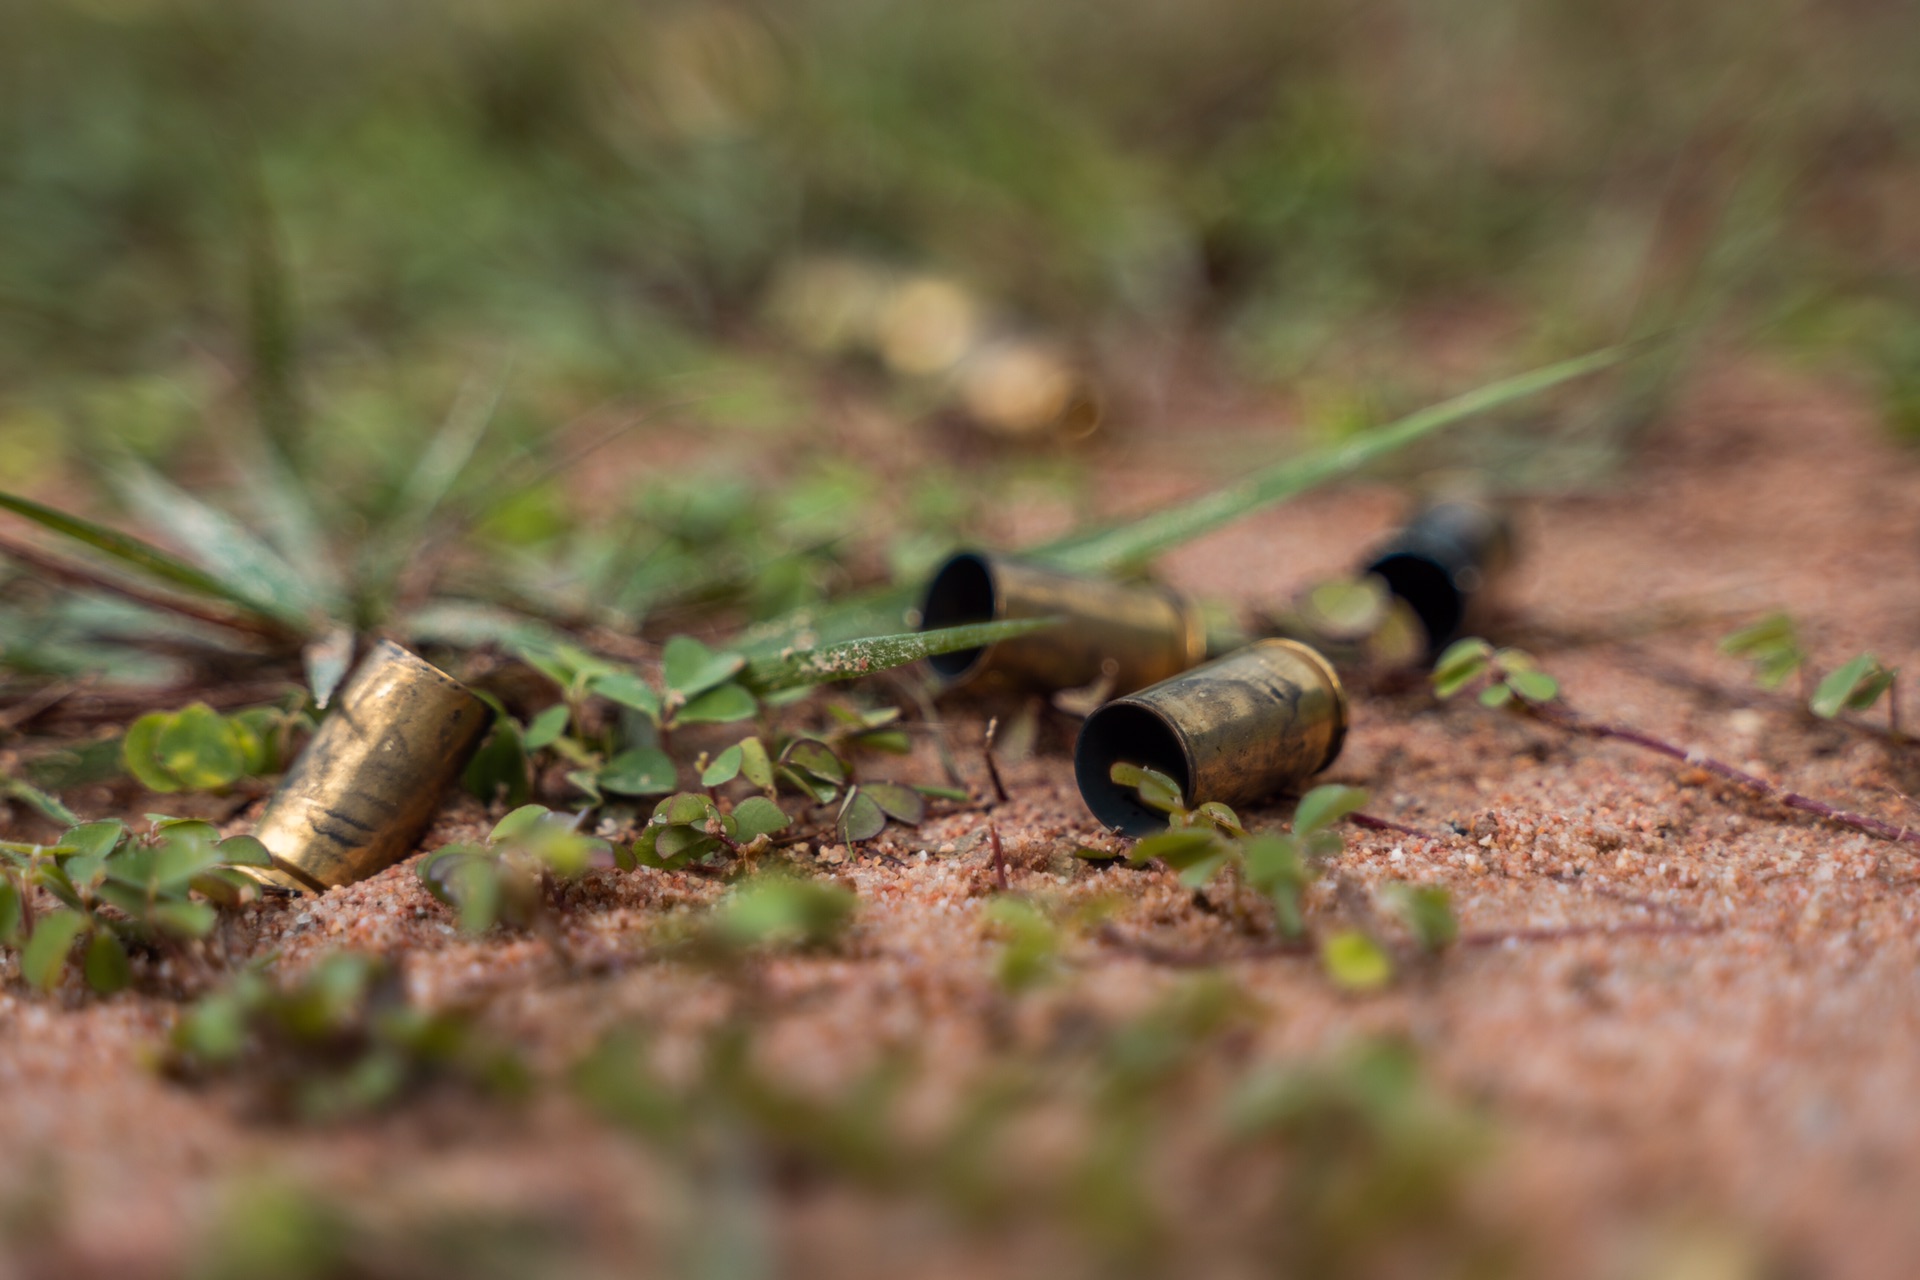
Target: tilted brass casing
point(1136, 634)
point(372, 777)
point(1257, 721)
point(1443, 563)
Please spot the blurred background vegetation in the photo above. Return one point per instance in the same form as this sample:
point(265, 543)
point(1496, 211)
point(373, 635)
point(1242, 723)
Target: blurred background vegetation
point(319, 226)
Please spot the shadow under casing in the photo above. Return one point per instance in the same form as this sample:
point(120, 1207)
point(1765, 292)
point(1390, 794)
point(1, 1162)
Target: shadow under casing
point(1260, 720)
point(372, 776)
point(1137, 634)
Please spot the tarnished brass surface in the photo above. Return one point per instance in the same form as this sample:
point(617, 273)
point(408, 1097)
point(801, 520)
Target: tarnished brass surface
point(1445, 562)
point(1239, 728)
point(1135, 634)
point(372, 777)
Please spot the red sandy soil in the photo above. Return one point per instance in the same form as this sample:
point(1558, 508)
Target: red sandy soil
point(1717, 1043)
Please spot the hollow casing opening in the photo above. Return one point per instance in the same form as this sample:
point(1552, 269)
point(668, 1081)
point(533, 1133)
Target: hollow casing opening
point(1125, 732)
point(961, 592)
point(1429, 590)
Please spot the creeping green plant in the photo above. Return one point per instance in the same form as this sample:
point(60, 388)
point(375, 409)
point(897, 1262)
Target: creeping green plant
point(342, 1039)
point(1509, 674)
point(1201, 842)
point(504, 881)
point(117, 891)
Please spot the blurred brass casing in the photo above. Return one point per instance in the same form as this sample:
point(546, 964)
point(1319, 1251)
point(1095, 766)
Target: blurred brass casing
point(373, 775)
point(1241, 727)
point(1444, 564)
point(1137, 635)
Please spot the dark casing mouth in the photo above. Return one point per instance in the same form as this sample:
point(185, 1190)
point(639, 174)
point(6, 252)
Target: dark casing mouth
point(1136, 734)
point(962, 592)
point(1430, 590)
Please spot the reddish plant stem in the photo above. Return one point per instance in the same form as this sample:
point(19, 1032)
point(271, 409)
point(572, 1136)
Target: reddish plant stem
point(1573, 721)
point(1000, 880)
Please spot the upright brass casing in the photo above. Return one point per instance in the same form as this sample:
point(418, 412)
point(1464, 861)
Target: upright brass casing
point(1136, 634)
point(1239, 728)
point(373, 775)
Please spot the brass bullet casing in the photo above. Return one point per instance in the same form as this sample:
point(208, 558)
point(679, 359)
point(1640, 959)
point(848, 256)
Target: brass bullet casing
point(1443, 563)
point(1135, 634)
point(372, 777)
point(1241, 727)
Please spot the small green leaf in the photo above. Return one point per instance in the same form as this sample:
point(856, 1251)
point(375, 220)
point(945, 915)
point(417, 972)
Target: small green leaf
point(686, 808)
point(690, 668)
point(860, 817)
point(1178, 849)
point(722, 704)
point(1427, 911)
point(518, 825)
point(1321, 807)
point(817, 760)
point(755, 765)
point(94, 839)
point(724, 768)
point(199, 748)
point(1534, 686)
point(903, 804)
point(629, 691)
point(758, 816)
point(1347, 608)
point(46, 951)
point(106, 966)
point(1853, 687)
point(1156, 789)
point(183, 919)
point(545, 729)
point(1463, 662)
point(140, 751)
point(1196, 874)
point(1221, 816)
point(1496, 695)
point(1355, 962)
point(643, 771)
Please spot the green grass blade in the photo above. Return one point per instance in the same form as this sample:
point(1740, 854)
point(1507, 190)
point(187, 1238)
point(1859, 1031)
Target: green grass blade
point(136, 554)
point(880, 611)
point(851, 659)
point(224, 547)
point(1160, 531)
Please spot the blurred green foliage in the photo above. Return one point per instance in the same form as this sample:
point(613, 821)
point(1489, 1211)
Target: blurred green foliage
point(331, 210)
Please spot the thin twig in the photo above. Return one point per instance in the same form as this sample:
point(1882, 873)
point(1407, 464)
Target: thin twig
point(1000, 881)
point(993, 769)
point(1573, 721)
